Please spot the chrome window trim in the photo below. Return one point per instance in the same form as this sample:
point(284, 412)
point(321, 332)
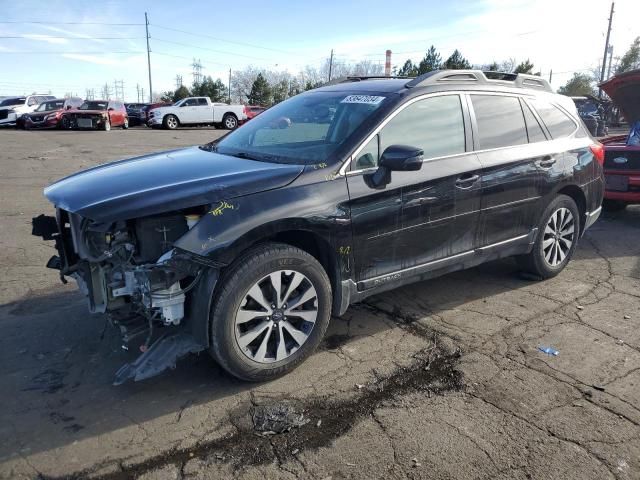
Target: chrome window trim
point(563, 110)
point(377, 130)
point(524, 96)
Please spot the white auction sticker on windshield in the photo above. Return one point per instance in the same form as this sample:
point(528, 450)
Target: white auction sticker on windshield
point(368, 99)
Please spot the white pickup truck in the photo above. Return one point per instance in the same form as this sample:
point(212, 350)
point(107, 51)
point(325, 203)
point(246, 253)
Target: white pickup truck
point(197, 111)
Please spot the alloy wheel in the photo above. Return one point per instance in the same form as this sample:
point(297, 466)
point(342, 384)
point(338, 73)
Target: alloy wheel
point(172, 122)
point(558, 238)
point(230, 122)
point(276, 316)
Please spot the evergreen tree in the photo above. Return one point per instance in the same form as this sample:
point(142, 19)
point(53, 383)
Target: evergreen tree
point(524, 67)
point(456, 62)
point(216, 91)
point(431, 61)
point(260, 92)
point(408, 70)
point(280, 91)
point(180, 93)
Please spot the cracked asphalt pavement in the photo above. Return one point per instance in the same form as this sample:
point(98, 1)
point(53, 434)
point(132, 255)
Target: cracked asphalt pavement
point(441, 379)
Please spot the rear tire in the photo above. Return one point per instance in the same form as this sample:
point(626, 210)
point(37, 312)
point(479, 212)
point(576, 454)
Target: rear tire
point(256, 336)
point(230, 121)
point(613, 205)
point(557, 239)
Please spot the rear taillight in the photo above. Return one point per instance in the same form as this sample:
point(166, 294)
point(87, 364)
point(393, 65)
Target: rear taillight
point(246, 110)
point(598, 151)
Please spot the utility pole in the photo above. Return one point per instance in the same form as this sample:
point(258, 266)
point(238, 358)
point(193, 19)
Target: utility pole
point(146, 26)
point(610, 61)
point(138, 91)
point(118, 88)
point(106, 92)
point(550, 75)
point(178, 81)
point(330, 64)
point(606, 50)
point(197, 71)
point(229, 86)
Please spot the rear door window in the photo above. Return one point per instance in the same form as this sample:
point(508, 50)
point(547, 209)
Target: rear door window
point(202, 101)
point(500, 121)
point(558, 123)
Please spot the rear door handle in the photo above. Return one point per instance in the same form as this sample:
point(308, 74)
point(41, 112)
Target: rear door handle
point(466, 181)
point(546, 161)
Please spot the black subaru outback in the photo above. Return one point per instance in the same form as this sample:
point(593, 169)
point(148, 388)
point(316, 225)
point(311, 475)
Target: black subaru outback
point(247, 245)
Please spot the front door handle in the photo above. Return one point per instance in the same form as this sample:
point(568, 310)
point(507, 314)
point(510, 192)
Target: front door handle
point(416, 202)
point(466, 181)
point(546, 161)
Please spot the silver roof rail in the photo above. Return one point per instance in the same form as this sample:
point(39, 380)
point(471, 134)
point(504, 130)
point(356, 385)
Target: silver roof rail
point(478, 77)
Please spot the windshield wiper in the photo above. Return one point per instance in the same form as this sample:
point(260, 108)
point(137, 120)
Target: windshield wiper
point(246, 155)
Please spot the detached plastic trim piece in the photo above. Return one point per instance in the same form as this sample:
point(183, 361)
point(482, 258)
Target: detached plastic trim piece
point(162, 355)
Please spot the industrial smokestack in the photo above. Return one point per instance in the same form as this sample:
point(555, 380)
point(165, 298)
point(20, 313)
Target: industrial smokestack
point(387, 64)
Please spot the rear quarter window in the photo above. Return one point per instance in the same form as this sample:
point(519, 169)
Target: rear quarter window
point(559, 124)
point(534, 129)
point(500, 121)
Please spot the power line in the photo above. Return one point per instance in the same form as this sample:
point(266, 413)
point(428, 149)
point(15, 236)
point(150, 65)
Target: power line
point(220, 39)
point(45, 37)
point(66, 23)
point(188, 58)
point(209, 49)
point(67, 52)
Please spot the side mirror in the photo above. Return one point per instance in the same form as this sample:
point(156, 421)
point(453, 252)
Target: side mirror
point(110, 109)
point(399, 158)
point(402, 158)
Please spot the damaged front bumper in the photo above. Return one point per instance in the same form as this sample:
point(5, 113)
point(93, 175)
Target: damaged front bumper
point(145, 299)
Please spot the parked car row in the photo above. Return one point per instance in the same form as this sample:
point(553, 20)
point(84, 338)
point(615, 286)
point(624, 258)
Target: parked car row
point(12, 108)
point(46, 111)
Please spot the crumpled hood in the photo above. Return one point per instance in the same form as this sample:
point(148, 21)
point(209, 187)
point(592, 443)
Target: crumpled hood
point(164, 182)
point(624, 90)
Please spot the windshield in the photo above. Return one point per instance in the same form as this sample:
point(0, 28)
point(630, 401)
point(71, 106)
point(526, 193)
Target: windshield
point(306, 129)
point(94, 106)
point(13, 101)
point(46, 106)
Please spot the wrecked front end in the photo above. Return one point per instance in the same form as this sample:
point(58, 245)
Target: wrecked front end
point(130, 271)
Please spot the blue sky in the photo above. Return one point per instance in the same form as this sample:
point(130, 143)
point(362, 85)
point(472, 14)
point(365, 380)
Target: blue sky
point(565, 36)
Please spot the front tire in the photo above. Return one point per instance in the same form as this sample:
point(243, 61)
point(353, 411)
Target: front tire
point(170, 122)
point(557, 239)
point(230, 121)
point(125, 125)
point(271, 312)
